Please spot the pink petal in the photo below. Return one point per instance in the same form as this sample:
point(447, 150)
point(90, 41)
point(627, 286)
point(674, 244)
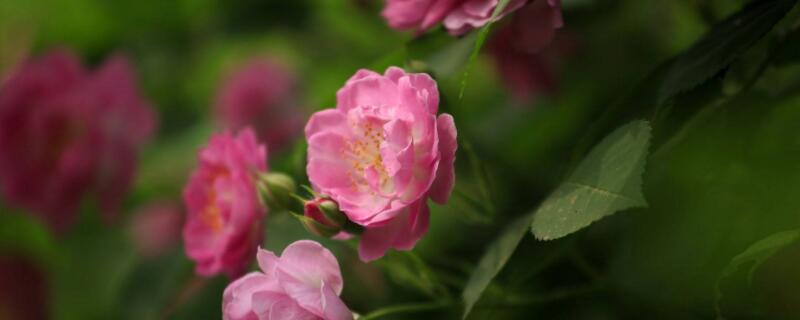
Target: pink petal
point(278, 306)
point(327, 167)
point(370, 90)
point(328, 120)
point(476, 13)
point(420, 88)
point(394, 73)
point(332, 306)
point(375, 241)
point(397, 140)
point(267, 261)
point(237, 298)
point(535, 26)
point(419, 216)
point(436, 13)
point(404, 14)
point(402, 232)
point(304, 266)
point(445, 175)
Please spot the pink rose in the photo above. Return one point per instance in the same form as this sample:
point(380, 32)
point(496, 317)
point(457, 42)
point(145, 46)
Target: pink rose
point(24, 289)
point(521, 51)
point(381, 154)
point(473, 14)
point(303, 283)
point(156, 228)
point(459, 16)
point(260, 94)
point(66, 133)
point(223, 226)
point(535, 25)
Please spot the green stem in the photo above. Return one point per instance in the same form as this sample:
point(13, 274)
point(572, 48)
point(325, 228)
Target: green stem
point(585, 267)
point(411, 307)
point(554, 295)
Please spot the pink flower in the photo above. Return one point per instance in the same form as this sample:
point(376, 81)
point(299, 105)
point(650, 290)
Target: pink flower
point(303, 283)
point(521, 53)
point(473, 14)
point(381, 154)
point(459, 16)
point(23, 289)
point(260, 94)
point(66, 133)
point(156, 228)
point(223, 226)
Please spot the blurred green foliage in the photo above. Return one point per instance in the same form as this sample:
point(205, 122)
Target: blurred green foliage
point(723, 170)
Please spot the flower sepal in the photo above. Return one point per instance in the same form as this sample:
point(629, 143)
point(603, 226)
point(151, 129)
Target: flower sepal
point(277, 190)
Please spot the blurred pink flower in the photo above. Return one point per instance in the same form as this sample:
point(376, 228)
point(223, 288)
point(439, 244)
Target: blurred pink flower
point(303, 283)
point(223, 224)
point(260, 94)
point(66, 133)
point(156, 228)
point(381, 153)
point(23, 289)
point(520, 50)
point(458, 16)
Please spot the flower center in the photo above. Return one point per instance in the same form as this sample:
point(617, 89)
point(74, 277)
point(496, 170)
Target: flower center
point(364, 153)
point(211, 214)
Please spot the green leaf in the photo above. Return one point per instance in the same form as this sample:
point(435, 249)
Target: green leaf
point(720, 46)
point(482, 177)
point(482, 34)
point(407, 269)
point(760, 251)
point(755, 255)
point(90, 270)
point(23, 233)
point(493, 261)
point(608, 180)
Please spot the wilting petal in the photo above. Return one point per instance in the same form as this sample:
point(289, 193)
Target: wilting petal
point(445, 175)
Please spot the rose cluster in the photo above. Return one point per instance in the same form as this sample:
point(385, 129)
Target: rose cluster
point(373, 161)
point(67, 133)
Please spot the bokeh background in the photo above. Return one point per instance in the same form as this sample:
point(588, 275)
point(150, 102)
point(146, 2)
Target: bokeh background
point(732, 177)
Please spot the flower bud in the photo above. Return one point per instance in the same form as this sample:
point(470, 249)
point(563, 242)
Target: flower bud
point(317, 228)
point(330, 210)
point(321, 216)
point(277, 190)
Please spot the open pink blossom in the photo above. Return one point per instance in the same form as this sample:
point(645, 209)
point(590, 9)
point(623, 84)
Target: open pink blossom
point(303, 283)
point(66, 133)
point(223, 226)
point(260, 94)
point(458, 16)
point(381, 153)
